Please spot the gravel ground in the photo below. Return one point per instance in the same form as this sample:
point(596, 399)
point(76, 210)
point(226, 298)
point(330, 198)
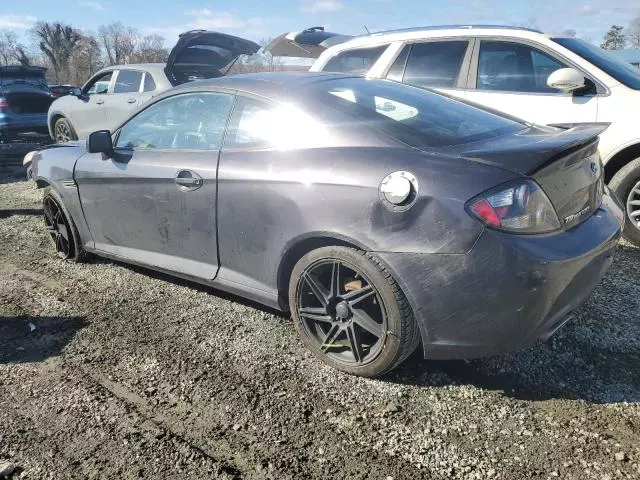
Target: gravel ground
point(109, 371)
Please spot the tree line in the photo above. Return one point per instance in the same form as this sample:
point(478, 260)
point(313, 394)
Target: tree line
point(72, 55)
point(618, 38)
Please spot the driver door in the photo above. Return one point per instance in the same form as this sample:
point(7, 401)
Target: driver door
point(154, 201)
point(88, 112)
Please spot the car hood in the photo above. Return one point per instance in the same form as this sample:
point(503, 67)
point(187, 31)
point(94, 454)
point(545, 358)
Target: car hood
point(202, 54)
point(532, 148)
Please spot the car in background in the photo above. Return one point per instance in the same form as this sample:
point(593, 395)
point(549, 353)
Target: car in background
point(114, 92)
point(542, 78)
point(24, 101)
point(381, 215)
point(61, 90)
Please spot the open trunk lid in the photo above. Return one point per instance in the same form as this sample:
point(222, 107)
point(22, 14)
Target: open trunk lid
point(309, 43)
point(201, 54)
point(564, 162)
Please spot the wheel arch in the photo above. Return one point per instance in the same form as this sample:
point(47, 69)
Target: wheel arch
point(53, 118)
point(299, 247)
point(620, 159)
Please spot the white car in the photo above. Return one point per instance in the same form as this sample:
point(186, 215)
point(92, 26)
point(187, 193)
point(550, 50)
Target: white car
point(114, 92)
point(526, 73)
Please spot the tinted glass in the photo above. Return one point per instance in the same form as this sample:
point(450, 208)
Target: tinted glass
point(149, 84)
point(514, 67)
point(416, 117)
point(128, 81)
point(359, 60)
point(396, 72)
point(100, 85)
point(191, 121)
point(435, 64)
point(622, 71)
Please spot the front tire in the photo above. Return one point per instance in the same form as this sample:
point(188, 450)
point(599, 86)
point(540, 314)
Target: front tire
point(626, 185)
point(60, 227)
point(350, 312)
point(63, 131)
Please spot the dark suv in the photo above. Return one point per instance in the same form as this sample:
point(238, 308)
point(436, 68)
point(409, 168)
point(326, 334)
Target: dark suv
point(24, 100)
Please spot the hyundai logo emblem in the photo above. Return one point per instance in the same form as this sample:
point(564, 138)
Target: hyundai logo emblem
point(594, 167)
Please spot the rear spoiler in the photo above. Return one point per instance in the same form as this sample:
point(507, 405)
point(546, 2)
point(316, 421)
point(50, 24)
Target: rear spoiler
point(599, 126)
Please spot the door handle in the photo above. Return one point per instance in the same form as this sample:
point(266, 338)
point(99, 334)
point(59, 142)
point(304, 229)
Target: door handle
point(99, 102)
point(132, 100)
point(188, 180)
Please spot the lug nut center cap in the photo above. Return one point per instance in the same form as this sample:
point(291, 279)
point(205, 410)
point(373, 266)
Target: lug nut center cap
point(342, 310)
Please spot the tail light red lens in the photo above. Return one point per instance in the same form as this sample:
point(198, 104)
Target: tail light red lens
point(3, 105)
point(517, 207)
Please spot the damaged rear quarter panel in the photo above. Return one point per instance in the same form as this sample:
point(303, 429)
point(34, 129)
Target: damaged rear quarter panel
point(270, 201)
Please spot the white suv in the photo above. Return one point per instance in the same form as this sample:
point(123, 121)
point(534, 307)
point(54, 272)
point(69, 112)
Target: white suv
point(522, 72)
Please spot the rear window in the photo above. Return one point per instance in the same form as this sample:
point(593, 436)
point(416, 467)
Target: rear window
point(358, 60)
point(419, 118)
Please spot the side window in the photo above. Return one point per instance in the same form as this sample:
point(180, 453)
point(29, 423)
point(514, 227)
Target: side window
point(128, 81)
point(99, 85)
point(358, 60)
point(396, 72)
point(149, 84)
point(257, 125)
point(189, 121)
point(514, 67)
point(250, 125)
point(435, 64)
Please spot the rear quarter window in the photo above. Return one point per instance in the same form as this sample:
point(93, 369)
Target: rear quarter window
point(357, 61)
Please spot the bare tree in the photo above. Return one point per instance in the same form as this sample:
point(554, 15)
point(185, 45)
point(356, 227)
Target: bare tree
point(634, 33)
point(57, 41)
point(8, 45)
point(22, 57)
point(119, 42)
point(86, 59)
point(150, 49)
point(614, 39)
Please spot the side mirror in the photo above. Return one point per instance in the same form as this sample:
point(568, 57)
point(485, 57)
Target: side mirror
point(76, 91)
point(566, 80)
point(100, 142)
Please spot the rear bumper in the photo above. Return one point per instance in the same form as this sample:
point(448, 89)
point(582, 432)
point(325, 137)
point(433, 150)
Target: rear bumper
point(509, 290)
point(12, 124)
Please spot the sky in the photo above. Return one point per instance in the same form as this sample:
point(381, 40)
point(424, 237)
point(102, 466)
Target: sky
point(261, 19)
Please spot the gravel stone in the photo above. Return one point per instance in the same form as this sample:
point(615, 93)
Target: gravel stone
point(134, 374)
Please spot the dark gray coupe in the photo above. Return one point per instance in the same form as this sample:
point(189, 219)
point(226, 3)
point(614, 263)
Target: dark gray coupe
point(380, 215)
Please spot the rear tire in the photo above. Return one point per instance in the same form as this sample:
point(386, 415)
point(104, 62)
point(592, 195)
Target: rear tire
point(365, 325)
point(63, 131)
point(61, 228)
point(626, 185)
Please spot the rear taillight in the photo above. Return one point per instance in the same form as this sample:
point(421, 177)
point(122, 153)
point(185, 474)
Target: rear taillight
point(3, 105)
point(516, 207)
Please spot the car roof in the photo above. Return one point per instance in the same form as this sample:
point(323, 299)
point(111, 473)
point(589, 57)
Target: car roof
point(438, 31)
point(267, 84)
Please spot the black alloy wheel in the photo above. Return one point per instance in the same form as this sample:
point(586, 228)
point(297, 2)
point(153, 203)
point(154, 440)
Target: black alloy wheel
point(342, 312)
point(350, 312)
point(58, 228)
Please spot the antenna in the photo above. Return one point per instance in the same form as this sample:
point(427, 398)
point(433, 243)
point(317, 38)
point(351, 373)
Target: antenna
point(366, 29)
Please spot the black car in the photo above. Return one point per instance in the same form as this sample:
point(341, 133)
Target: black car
point(381, 215)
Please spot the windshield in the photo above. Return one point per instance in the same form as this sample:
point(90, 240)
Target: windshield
point(622, 71)
point(417, 117)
